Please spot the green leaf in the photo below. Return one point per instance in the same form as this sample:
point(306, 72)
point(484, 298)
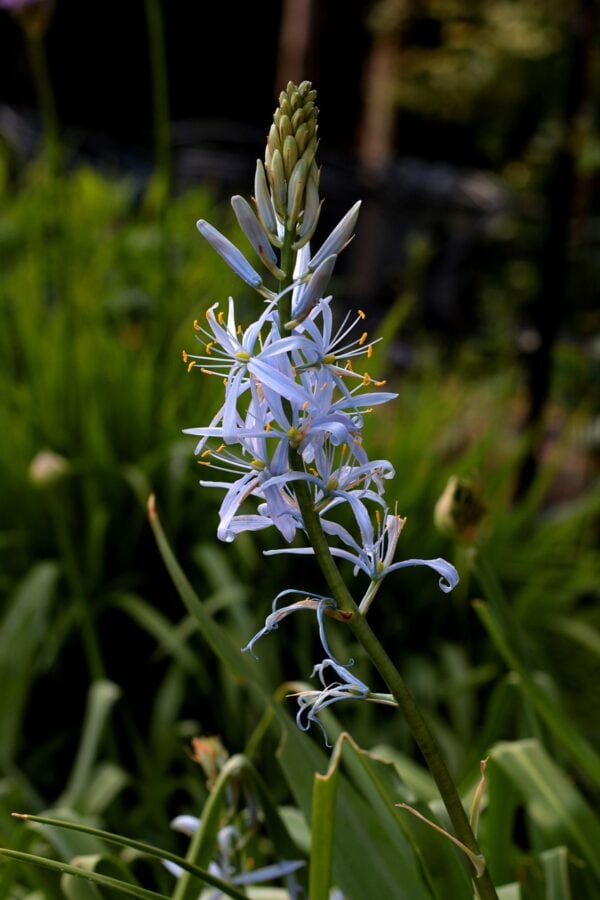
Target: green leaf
point(564, 730)
point(61, 868)
point(559, 811)
point(370, 859)
point(378, 781)
point(22, 633)
point(556, 870)
point(102, 696)
point(323, 828)
point(140, 846)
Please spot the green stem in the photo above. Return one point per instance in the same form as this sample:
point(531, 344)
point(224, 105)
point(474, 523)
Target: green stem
point(379, 657)
point(46, 100)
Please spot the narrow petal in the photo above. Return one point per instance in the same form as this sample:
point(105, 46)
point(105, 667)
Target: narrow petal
point(449, 576)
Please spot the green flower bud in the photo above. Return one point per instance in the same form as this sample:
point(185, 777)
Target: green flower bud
point(274, 141)
point(297, 120)
point(285, 127)
point(459, 511)
point(302, 137)
point(310, 217)
point(276, 173)
point(264, 206)
point(290, 155)
point(48, 468)
point(296, 189)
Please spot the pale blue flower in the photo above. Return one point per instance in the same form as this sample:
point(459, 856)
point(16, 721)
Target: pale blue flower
point(228, 838)
point(312, 603)
point(374, 556)
point(349, 687)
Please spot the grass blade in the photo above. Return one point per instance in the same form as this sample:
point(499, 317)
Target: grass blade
point(140, 846)
point(106, 881)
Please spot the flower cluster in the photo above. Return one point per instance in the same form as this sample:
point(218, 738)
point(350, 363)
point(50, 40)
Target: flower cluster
point(295, 402)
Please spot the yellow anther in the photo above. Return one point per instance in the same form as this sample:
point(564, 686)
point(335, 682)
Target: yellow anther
point(305, 405)
point(239, 330)
point(206, 453)
point(363, 338)
point(209, 347)
point(196, 325)
point(380, 383)
point(224, 382)
point(191, 365)
point(361, 314)
point(378, 518)
point(268, 426)
point(366, 378)
point(206, 371)
point(369, 351)
point(313, 471)
point(221, 317)
point(202, 463)
point(220, 448)
point(349, 366)
point(184, 356)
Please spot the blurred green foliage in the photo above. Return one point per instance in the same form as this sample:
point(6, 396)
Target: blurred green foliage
point(98, 298)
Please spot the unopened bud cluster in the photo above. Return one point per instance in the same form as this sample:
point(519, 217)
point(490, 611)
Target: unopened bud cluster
point(287, 185)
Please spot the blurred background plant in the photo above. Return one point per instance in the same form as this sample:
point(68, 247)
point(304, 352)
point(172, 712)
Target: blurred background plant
point(470, 131)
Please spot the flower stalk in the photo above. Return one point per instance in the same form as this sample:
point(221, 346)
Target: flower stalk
point(296, 412)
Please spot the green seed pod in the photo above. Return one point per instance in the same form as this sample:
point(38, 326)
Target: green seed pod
point(290, 155)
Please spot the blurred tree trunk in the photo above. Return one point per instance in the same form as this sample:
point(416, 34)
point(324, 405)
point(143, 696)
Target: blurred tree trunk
point(295, 35)
point(548, 310)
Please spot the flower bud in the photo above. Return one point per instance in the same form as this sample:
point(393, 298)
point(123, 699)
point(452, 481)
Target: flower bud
point(264, 206)
point(296, 191)
point(310, 218)
point(285, 127)
point(48, 468)
point(290, 155)
point(278, 184)
point(255, 234)
point(459, 510)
